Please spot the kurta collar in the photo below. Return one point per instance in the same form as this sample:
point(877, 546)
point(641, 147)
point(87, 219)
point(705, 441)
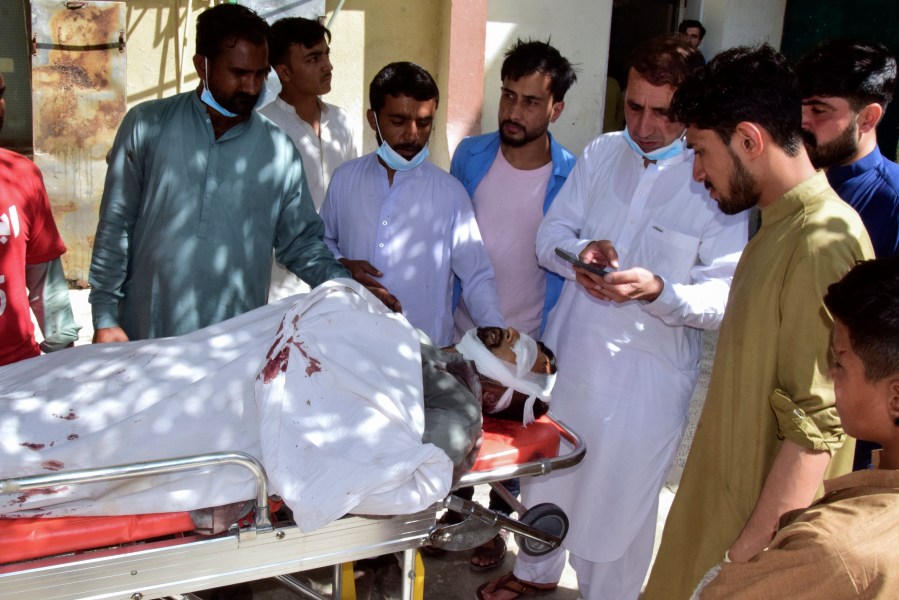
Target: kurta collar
point(794, 200)
point(289, 108)
point(840, 174)
point(235, 131)
point(885, 478)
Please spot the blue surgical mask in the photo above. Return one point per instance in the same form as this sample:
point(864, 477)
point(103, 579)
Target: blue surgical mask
point(207, 98)
point(393, 159)
point(670, 151)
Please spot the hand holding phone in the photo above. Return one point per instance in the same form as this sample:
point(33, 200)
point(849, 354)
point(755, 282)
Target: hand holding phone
point(592, 268)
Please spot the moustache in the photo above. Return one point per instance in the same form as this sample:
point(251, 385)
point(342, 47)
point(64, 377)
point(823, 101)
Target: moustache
point(244, 97)
point(809, 139)
point(411, 148)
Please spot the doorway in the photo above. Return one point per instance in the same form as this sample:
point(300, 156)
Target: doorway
point(633, 22)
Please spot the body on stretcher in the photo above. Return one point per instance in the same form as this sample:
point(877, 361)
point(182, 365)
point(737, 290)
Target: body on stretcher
point(99, 557)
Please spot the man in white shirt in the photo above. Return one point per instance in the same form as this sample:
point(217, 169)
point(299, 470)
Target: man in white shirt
point(299, 53)
point(398, 222)
point(627, 343)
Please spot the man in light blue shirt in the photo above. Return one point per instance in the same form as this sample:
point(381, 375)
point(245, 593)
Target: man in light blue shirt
point(400, 223)
point(199, 191)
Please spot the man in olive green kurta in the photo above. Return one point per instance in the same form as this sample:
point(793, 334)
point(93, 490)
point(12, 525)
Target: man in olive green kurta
point(769, 424)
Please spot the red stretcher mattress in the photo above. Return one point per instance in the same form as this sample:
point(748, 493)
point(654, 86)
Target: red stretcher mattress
point(505, 443)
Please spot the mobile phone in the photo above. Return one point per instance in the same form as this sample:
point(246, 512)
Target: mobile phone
point(592, 268)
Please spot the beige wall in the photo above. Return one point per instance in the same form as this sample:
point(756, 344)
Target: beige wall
point(580, 32)
point(368, 35)
point(159, 54)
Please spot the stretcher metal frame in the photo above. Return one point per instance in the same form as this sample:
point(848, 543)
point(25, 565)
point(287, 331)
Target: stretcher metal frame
point(172, 567)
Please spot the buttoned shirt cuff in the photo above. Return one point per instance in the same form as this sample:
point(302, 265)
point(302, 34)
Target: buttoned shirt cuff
point(795, 425)
point(104, 315)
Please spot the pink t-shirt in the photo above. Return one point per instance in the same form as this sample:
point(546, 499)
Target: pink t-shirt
point(508, 205)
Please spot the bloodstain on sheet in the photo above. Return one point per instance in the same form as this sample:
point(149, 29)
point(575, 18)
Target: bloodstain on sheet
point(52, 465)
point(314, 364)
point(44, 491)
point(69, 417)
point(277, 363)
point(32, 446)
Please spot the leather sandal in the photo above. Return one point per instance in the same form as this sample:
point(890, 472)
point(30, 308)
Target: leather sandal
point(490, 554)
point(510, 583)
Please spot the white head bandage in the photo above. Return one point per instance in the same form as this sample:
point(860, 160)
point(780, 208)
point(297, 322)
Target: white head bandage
point(517, 377)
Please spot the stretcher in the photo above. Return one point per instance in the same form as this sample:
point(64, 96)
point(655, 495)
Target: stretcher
point(158, 556)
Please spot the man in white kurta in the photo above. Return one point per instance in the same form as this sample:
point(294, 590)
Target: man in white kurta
point(299, 53)
point(398, 221)
point(627, 367)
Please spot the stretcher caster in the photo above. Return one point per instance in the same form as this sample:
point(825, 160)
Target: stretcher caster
point(546, 517)
point(540, 529)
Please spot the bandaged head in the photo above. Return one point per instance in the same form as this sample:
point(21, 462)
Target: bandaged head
point(517, 377)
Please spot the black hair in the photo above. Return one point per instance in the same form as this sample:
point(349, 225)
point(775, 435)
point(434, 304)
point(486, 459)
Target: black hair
point(294, 30)
point(688, 23)
point(225, 24)
point(533, 56)
point(664, 60)
point(401, 79)
point(753, 84)
point(866, 301)
point(862, 72)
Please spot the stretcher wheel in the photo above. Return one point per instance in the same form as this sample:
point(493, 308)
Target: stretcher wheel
point(546, 517)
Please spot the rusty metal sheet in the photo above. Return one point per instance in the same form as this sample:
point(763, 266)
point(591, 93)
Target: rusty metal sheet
point(79, 100)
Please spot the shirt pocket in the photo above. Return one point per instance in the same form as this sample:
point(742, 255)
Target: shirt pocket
point(668, 253)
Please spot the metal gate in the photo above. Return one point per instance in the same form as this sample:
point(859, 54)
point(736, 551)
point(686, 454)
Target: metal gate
point(78, 100)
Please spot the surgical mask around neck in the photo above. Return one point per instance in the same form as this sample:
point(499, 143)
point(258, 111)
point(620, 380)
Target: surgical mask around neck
point(209, 100)
point(393, 159)
point(670, 151)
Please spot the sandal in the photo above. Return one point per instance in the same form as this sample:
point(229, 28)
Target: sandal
point(510, 583)
point(490, 554)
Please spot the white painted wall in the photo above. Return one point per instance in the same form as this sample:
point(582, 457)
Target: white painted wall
point(580, 31)
point(732, 23)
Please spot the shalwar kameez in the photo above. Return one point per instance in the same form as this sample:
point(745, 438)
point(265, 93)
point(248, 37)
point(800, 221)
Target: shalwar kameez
point(627, 371)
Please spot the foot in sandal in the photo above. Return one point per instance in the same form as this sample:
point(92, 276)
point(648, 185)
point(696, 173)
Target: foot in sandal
point(509, 587)
point(490, 554)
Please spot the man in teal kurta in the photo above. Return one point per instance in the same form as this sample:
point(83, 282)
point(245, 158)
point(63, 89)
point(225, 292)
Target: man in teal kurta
point(769, 427)
point(199, 190)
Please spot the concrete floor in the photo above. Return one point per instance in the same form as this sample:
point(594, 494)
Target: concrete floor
point(449, 577)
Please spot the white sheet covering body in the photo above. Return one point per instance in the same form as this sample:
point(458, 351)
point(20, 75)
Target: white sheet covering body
point(325, 389)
